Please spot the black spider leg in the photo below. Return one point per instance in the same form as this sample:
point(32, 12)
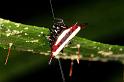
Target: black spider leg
point(52, 37)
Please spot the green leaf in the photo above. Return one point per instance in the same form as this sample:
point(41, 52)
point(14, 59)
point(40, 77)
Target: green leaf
point(30, 43)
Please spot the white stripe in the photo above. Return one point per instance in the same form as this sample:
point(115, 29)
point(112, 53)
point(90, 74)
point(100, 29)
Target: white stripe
point(62, 35)
point(67, 40)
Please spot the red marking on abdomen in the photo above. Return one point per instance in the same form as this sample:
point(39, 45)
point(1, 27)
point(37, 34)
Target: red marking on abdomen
point(55, 47)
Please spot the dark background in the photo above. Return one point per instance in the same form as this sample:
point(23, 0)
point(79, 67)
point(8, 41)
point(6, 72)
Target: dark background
point(105, 20)
point(105, 17)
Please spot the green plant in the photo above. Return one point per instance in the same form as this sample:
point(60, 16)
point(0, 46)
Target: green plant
point(27, 39)
point(34, 39)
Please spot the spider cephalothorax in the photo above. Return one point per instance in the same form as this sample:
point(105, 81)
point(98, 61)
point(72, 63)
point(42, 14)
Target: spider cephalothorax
point(57, 28)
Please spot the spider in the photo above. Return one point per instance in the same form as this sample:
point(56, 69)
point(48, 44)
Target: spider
point(60, 35)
